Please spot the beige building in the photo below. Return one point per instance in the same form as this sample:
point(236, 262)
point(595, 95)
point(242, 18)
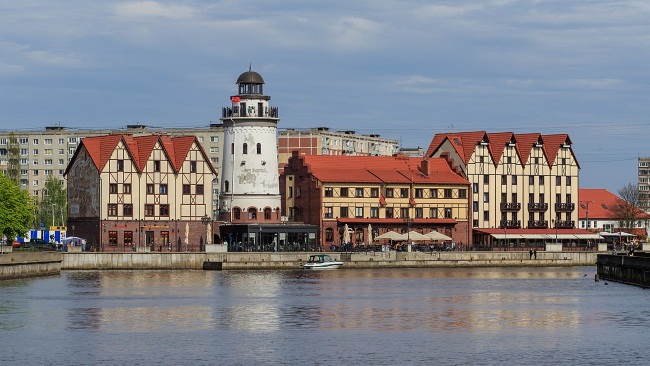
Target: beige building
point(148, 191)
point(45, 153)
point(644, 184)
point(323, 141)
point(519, 181)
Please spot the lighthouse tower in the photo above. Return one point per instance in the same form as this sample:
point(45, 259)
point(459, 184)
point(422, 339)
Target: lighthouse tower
point(249, 183)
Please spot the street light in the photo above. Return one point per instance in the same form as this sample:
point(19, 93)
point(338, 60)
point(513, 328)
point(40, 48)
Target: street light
point(586, 213)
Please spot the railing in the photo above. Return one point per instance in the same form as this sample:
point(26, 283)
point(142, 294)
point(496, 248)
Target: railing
point(563, 224)
point(537, 224)
point(227, 112)
point(510, 206)
point(537, 206)
point(564, 207)
point(511, 224)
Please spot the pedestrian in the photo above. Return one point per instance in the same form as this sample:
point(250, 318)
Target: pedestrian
point(530, 254)
point(535, 253)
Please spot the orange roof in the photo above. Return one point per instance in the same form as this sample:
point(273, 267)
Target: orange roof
point(386, 169)
point(498, 142)
point(525, 142)
point(100, 148)
point(601, 202)
point(464, 143)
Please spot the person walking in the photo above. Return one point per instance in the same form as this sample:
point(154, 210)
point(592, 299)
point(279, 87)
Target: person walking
point(530, 254)
point(535, 253)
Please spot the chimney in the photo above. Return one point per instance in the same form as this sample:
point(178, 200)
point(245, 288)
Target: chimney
point(425, 168)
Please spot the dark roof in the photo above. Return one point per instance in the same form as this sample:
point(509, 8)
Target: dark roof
point(250, 77)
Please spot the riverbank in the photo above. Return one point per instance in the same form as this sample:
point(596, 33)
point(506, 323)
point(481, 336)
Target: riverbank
point(29, 264)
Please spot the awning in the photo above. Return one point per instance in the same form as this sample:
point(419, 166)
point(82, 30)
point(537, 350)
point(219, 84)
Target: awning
point(508, 236)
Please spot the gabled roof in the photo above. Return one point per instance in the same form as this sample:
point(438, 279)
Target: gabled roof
point(380, 169)
point(100, 149)
point(525, 142)
point(464, 143)
point(552, 144)
point(498, 142)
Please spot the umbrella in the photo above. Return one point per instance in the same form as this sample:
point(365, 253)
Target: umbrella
point(415, 236)
point(369, 234)
point(391, 235)
point(435, 235)
point(346, 234)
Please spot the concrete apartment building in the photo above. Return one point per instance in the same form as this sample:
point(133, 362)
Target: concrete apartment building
point(519, 181)
point(45, 153)
point(644, 184)
point(150, 192)
point(370, 195)
point(323, 141)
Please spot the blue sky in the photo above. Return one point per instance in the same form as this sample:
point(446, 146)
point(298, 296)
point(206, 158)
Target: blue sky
point(404, 69)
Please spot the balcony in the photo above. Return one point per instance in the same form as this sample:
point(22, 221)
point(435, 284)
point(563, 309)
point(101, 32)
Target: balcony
point(511, 224)
point(510, 206)
point(538, 207)
point(236, 111)
point(564, 207)
point(537, 224)
point(563, 224)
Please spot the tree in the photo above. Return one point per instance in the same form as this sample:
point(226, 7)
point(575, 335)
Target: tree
point(13, 161)
point(15, 209)
point(54, 203)
point(626, 209)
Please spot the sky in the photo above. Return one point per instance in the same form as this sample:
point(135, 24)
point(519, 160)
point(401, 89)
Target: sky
point(404, 69)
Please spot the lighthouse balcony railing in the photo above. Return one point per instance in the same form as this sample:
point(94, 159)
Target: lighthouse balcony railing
point(227, 112)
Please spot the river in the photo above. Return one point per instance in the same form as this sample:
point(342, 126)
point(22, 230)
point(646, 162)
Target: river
point(477, 316)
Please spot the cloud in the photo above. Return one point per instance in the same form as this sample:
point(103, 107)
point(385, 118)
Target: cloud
point(153, 9)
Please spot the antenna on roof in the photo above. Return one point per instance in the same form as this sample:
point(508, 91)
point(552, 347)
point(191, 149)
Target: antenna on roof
point(451, 127)
point(250, 66)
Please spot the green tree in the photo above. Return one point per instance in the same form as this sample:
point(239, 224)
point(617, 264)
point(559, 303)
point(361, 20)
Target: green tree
point(15, 209)
point(54, 203)
point(13, 158)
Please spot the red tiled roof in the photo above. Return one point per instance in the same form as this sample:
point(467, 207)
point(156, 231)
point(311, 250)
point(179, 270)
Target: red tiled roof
point(387, 169)
point(525, 142)
point(498, 142)
point(464, 143)
point(601, 204)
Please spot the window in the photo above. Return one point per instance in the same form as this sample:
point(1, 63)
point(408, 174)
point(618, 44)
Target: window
point(48, 161)
point(541, 180)
point(24, 152)
point(404, 212)
point(35, 152)
point(126, 188)
point(245, 149)
point(298, 191)
point(486, 179)
point(486, 197)
point(120, 165)
point(164, 210)
point(48, 151)
point(252, 213)
point(358, 192)
point(128, 238)
point(389, 193)
point(329, 192)
point(193, 166)
point(389, 213)
point(23, 140)
point(448, 193)
point(48, 171)
point(448, 213)
point(35, 182)
point(374, 212)
point(328, 212)
point(344, 192)
point(112, 209)
point(433, 213)
point(35, 171)
point(60, 141)
point(404, 193)
point(541, 198)
point(419, 193)
point(236, 213)
point(504, 179)
point(35, 141)
point(374, 192)
point(358, 212)
point(558, 180)
point(568, 198)
point(419, 212)
point(214, 138)
point(112, 188)
point(163, 189)
point(214, 150)
point(112, 238)
point(187, 189)
point(156, 165)
point(462, 193)
point(568, 181)
point(267, 213)
point(61, 162)
point(343, 212)
point(475, 206)
point(127, 209)
point(290, 192)
point(486, 215)
point(48, 141)
point(61, 151)
point(475, 187)
point(259, 148)
point(199, 189)
point(514, 180)
point(150, 188)
point(148, 210)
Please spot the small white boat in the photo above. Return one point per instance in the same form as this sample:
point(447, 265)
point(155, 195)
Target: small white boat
point(321, 261)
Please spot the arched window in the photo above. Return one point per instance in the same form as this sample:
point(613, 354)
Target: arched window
point(252, 213)
point(259, 148)
point(236, 212)
point(267, 213)
point(226, 186)
point(245, 149)
point(329, 234)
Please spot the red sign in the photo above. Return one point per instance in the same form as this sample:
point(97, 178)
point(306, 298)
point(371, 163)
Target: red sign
point(235, 99)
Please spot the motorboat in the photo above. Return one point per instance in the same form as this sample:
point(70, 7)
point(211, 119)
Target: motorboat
point(321, 261)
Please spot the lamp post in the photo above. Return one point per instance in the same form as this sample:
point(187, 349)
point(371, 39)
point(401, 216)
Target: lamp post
point(586, 213)
point(555, 222)
point(205, 220)
point(408, 232)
